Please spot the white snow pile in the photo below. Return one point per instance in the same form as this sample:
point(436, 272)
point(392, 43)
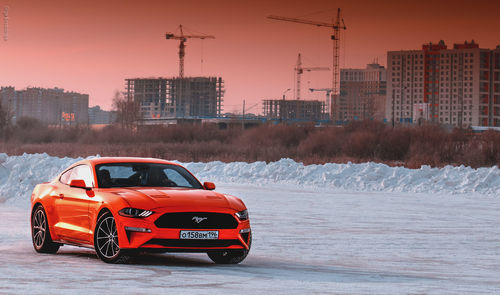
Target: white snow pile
point(350, 177)
point(20, 174)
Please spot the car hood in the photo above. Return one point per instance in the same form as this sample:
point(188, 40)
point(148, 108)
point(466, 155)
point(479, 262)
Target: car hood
point(178, 198)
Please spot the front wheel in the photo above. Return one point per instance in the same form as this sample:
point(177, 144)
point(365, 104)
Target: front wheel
point(106, 240)
point(229, 256)
point(40, 233)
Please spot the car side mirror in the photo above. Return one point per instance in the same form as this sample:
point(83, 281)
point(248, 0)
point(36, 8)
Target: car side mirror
point(209, 185)
point(79, 183)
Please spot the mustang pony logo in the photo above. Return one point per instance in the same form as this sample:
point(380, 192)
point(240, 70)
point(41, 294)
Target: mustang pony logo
point(198, 219)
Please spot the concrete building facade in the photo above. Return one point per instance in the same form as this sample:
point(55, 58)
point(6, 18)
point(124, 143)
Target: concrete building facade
point(161, 98)
point(362, 94)
point(97, 116)
point(456, 87)
point(50, 106)
point(294, 110)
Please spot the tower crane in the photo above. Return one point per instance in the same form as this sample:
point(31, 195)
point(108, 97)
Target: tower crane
point(299, 70)
point(328, 91)
point(337, 25)
point(182, 45)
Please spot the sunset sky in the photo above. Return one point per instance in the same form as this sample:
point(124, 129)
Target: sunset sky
point(92, 46)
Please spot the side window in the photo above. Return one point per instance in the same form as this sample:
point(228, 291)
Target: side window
point(84, 173)
point(65, 176)
point(177, 178)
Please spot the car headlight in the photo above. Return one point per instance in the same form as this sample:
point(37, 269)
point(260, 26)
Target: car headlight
point(133, 212)
point(242, 215)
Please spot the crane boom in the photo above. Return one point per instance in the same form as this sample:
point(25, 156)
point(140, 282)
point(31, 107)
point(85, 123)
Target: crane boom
point(302, 21)
point(300, 70)
point(326, 90)
point(337, 25)
point(182, 46)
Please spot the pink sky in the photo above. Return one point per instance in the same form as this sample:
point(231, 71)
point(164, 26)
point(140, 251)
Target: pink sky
point(92, 46)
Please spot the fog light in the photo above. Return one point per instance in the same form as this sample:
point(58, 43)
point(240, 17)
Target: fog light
point(138, 229)
point(244, 231)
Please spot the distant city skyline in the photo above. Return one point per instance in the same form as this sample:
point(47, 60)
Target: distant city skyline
point(93, 46)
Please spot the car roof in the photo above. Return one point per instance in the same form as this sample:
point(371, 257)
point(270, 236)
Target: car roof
point(108, 160)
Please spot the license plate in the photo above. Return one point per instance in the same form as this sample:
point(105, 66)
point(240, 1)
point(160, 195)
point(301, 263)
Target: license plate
point(199, 235)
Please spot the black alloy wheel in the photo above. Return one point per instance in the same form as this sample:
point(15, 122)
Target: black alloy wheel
point(229, 256)
point(106, 240)
point(40, 233)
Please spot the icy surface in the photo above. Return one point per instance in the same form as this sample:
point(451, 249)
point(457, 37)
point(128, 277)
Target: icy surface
point(19, 175)
point(305, 242)
point(318, 229)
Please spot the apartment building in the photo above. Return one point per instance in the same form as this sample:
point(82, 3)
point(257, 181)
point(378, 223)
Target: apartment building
point(457, 87)
point(362, 94)
point(51, 106)
point(98, 116)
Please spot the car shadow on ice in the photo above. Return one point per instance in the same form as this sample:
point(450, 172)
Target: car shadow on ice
point(260, 267)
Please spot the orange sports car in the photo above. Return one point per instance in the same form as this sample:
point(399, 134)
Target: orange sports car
point(124, 206)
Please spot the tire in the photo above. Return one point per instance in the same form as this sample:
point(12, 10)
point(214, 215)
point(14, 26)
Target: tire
point(40, 233)
point(229, 256)
point(106, 240)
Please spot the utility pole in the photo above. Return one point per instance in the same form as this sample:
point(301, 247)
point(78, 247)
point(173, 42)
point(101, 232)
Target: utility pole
point(243, 116)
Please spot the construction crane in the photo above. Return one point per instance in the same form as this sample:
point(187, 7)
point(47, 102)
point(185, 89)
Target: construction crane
point(337, 25)
point(182, 45)
point(299, 70)
point(328, 91)
point(6, 23)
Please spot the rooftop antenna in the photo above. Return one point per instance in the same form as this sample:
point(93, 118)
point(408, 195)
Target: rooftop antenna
point(6, 23)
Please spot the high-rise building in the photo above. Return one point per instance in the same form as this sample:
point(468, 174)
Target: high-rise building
point(362, 94)
point(457, 87)
point(50, 106)
point(98, 116)
point(8, 99)
point(161, 98)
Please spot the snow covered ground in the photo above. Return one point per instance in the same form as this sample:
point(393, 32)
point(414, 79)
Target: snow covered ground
point(427, 231)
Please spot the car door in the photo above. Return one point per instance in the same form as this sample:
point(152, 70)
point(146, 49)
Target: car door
point(72, 206)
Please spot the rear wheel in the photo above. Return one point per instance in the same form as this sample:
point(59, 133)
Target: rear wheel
point(40, 233)
point(229, 256)
point(106, 240)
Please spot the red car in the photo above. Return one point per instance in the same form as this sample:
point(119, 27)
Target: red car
point(124, 206)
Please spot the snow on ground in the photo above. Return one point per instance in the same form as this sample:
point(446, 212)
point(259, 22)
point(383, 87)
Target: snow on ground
point(19, 175)
point(319, 229)
point(304, 243)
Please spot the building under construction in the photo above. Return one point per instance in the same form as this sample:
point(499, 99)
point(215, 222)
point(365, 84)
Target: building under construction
point(295, 110)
point(162, 98)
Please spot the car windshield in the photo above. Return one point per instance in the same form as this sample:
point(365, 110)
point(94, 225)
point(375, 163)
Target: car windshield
point(144, 174)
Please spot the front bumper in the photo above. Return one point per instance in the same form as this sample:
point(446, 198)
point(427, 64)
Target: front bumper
point(143, 234)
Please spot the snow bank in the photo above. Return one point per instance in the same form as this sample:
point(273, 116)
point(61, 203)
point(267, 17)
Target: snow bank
point(19, 175)
point(350, 177)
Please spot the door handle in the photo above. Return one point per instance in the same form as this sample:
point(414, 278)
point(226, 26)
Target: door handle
point(61, 196)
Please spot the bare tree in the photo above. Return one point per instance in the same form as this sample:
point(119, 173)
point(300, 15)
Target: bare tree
point(127, 111)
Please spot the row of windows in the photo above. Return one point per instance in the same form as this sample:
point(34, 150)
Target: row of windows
point(446, 119)
point(442, 55)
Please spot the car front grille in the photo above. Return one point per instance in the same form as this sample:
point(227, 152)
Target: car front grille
point(193, 243)
point(197, 220)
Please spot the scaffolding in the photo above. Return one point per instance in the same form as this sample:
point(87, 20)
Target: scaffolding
point(295, 110)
